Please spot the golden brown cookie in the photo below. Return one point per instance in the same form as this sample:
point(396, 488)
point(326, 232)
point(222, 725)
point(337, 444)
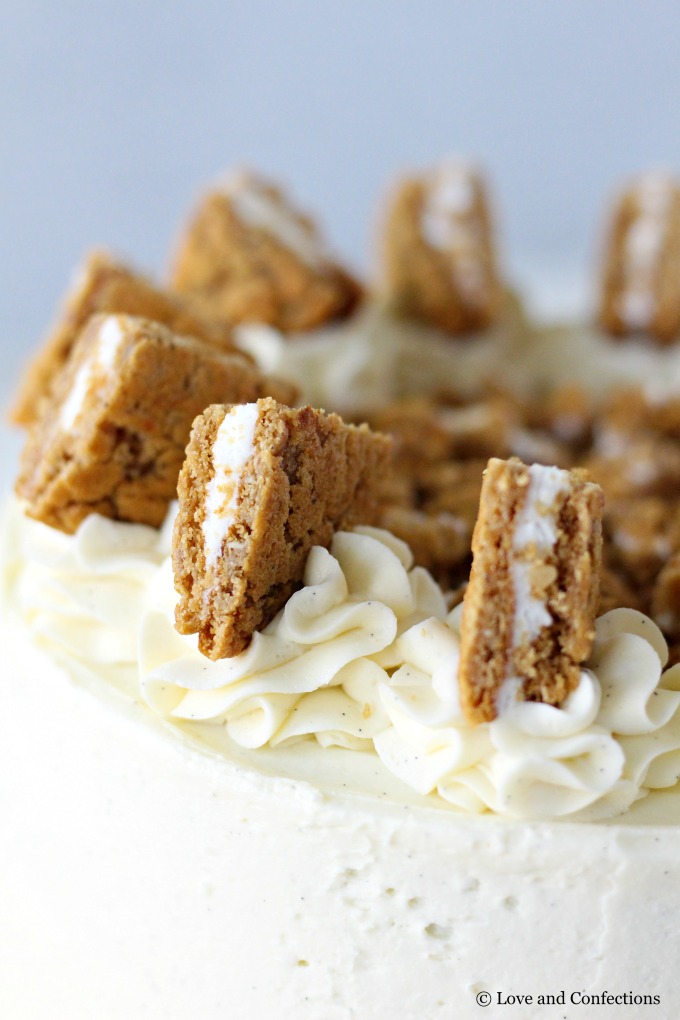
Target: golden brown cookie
point(105, 285)
point(260, 486)
point(640, 290)
point(439, 542)
point(529, 609)
point(438, 251)
point(641, 534)
point(249, 256)
point(666, 598)
point(112, 436)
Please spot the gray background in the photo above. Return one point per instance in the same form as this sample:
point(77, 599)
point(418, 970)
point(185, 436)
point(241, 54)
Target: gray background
point(115, 114)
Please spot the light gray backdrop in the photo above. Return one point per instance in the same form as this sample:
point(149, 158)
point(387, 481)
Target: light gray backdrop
point(114, 114)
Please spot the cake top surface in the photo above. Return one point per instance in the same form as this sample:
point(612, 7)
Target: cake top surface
point(297, 621)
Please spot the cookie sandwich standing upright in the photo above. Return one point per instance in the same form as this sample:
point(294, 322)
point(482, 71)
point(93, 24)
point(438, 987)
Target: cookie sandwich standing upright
point(261, 485)
point(640, 288)
point(529, 609)
point(439, 254)
point(248, 255)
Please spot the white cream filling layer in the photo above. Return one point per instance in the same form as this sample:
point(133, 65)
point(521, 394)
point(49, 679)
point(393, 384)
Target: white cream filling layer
point(535, 528)
point(101, 358)
point(255, 207)
point(447, 224)
point(643, 248)
point(233, 447)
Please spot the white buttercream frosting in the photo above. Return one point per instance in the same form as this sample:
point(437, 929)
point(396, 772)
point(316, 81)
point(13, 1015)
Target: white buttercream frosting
point(375, 357)
point(232, 449)
point(362, 657)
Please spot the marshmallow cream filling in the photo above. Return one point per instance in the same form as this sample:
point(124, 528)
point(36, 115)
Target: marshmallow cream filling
point(256, 208)
point(362, 658)
point(643, 248)
point(445, 225)
point(233, 447)
point(535, 527)
point(101, 359)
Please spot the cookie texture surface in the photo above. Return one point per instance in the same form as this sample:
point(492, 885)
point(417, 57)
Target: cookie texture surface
point(438, 251)
point(529, 609)
point(640, 290)
point(105, 285)
point(112, 437)
point(249, 256)
point(262, 484)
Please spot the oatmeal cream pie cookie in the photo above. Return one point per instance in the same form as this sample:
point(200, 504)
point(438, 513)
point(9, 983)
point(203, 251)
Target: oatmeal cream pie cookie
point(112, 437)
point(104, 285)
point(529, 609)
point(249, 256)
point(438, 250)
point(640, 290)
point(261, 485)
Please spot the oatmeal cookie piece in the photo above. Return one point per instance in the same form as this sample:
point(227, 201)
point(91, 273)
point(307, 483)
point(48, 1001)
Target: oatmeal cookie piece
point(666, 599)
point(452, 487)
point(440, 542)
point(566, 413)
point(529, 610)
point(640, 290)
point(260, 486)
point(616, 590)
point(640, 536)
point(438, 251)
point(638, 465)
point(112, 436)
point(249, 256)
point(105, 285)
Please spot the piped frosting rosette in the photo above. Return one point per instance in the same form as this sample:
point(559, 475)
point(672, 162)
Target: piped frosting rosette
point(82, 595)
point(318, 668)
point(616, 736)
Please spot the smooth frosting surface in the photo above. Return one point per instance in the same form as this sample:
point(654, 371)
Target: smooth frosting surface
point(364, 658)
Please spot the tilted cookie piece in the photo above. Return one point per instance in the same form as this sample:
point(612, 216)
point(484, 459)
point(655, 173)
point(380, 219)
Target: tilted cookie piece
point(439, 257)
point(105, 285)
point(261, 485)
point(529, 609)
point(249, 256)
point(113, 434)
point(640, 290)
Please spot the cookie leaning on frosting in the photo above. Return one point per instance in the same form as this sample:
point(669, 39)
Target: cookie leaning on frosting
point(529, 609)
point(262, 483)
